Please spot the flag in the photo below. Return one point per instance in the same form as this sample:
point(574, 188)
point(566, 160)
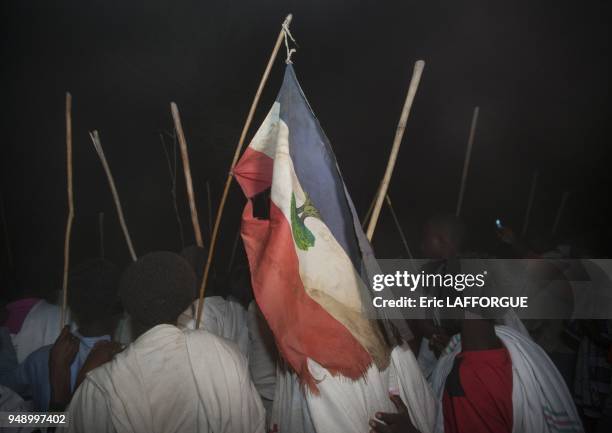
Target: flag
point(307, 252)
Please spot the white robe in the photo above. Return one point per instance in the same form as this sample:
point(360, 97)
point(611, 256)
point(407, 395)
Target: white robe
point(223, 317)
point(169, 381)
point(541, 401)
point(346, 406)
point(40, 327)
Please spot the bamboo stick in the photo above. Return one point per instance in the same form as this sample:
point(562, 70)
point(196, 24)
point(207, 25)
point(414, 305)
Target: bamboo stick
point(228, 182)
point(187, 170)
point(95, 138)
point(466, 162)
point(364, 222)
point(534, 184)
point(233, 254)
point(555, 226)
point(68, 233)
point(399, 134)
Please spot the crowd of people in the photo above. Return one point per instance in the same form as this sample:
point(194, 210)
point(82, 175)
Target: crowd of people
point(131, 359)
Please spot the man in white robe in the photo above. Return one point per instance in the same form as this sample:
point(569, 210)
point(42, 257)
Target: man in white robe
point(168, 380)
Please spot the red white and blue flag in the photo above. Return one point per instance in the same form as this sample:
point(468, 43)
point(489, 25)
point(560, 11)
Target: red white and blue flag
point(309, 257)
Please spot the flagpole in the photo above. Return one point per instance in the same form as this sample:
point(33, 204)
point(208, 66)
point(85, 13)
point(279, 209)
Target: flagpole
point(187, 170)
point(228, 182)
point(534, 184)
point(68, 232)
point(560, 211)
point(399, 134)
point(95, 138)
point(466, 162)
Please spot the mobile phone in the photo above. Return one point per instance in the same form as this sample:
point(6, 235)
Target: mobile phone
point(498, 223)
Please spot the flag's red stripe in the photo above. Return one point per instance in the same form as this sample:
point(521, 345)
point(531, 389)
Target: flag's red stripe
point(302, 328)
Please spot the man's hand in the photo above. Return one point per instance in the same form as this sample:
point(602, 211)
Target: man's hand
point(101, 353)
point(393, 422)
point(61, 357)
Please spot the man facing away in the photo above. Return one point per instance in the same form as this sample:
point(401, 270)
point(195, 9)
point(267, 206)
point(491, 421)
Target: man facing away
point(49, 375)
point(168, 380)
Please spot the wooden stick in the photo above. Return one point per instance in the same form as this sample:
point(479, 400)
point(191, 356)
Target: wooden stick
point(101, 233)
point(466, 162)
point(399, 134)
point(555, 226)
point(210, 223)
point(364, 222)
point(187, 170)
point(228, 182)
point(399, 228)
point(70, 209)
point(7, 241)
point(95, 138)
point(534, 184)
point(172, 170)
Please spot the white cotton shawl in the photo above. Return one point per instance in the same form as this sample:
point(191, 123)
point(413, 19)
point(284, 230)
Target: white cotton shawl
point(541, 401)
point(170, 381)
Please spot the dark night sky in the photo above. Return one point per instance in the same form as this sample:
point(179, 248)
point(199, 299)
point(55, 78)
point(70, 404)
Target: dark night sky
point(538, 70)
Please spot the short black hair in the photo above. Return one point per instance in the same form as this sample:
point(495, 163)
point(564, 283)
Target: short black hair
point(93, 291)
point(157, 288)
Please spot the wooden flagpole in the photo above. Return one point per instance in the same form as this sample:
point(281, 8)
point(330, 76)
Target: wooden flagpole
point(399, 134)
point(95, 138)
point(101, 233)
point(228, 182)
point(466, 162)
point(555, 226)
point(534, 184)
point(70, 208)
point(187, 170)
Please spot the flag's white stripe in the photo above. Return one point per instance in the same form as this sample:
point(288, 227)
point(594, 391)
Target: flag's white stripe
point(264, 140)
point(325, 268)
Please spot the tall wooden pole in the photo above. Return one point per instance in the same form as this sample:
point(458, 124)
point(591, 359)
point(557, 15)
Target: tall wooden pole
point(534, 185)
point(399, 134)
point(466, 162)
point(172, 170)
point(70, 208)
point(187, 170)
point(95, 138)
point(228, 182)
point(399, 228)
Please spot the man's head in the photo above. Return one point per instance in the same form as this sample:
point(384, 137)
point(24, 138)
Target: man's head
point(157, 288)
point(443, 237)
point(93, 295)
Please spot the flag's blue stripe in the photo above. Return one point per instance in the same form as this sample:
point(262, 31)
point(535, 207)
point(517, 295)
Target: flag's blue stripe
point(316, 168)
